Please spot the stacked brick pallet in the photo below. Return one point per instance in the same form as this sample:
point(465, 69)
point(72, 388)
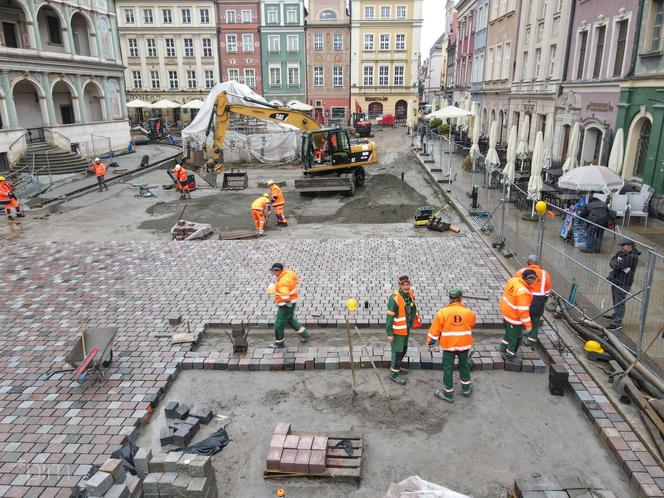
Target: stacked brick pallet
point(175, 475)
point(303, 454)
point(552, 487)
point(111, 481)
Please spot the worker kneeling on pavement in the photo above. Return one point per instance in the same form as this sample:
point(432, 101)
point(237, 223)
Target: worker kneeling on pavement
point(541, 290)
point(8, 200)
point(515, 308)
point(286, 296)
point(452, 327)
point(278, 202)
point(181, 183)
point(401, 317)
point(260, 208)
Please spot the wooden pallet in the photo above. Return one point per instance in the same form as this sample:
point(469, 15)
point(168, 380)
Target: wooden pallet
point(338, 464)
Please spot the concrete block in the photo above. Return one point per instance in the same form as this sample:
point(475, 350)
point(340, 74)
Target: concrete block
point(165, 484)
point(282, 428)
point(181, 411)
point(193, 421)
point(180, 486)
point(273, 458)
point(278, 441)
point(537, 484)
point(118, 491)
point(195, 465)
point(157, 463)
point(99, 484)
point(287, 463)
point(291, 442)
point(202, 413)
point(319, 443)
point(317, 461)
point(134, 485)
point(166, 436)
point(302, 461)
point(171, 461)
point(141, 460)
point(198, 487)
point(539, 366)
point(175, 319)
point(512, 365)
point(169, 409)
point(114, 467)
point(306, 442)
point(151, 483)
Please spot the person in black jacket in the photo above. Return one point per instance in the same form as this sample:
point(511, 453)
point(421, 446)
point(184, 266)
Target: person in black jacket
point(597, 212)
point(623, 267)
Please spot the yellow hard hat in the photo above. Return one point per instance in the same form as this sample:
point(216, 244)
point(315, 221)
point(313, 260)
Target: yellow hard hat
point(351, 304)
point(266, 195)
point(270, 182)
point(540, 207)
point(2, 178)
point(593, 347)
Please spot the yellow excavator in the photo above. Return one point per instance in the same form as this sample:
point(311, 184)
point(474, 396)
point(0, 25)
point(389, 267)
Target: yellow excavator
point(330, 161)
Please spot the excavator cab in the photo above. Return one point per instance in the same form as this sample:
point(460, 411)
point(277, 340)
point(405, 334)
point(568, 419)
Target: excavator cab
point(326, 147)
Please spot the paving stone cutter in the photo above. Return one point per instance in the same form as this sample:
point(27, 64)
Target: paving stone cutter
point(426, 217)
point(92, 352)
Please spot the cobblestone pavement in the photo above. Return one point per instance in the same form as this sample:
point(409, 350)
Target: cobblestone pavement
point(52, 431)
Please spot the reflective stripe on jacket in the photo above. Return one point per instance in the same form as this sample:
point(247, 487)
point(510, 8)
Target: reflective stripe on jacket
point(286, 288)
point(181, 175)
point(277, 196)
point(515, 305)
point(543, 286)
point(400, 324)
point(453, 327)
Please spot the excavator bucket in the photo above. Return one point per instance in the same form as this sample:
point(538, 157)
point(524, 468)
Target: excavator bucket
point(235, 180)
point(210, 177)
point(331, 183)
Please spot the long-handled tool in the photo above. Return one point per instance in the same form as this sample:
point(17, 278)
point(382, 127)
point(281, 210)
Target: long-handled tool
point(619, 384)
point(350, 352)
point(366, 350)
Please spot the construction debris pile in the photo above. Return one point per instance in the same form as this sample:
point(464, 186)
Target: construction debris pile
point(183, 423)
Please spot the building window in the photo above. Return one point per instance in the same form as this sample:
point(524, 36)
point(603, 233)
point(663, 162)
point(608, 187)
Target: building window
point(368, 76)
point(327, 15)
point(191, 79)
point(154, 80)
point(657, 21)
point(293, 75)
point(231, 43)
point(291, 16)
point(209, 78)
point(383, 75)
point(621, 29)
point(186, 16)
point(497, 66)
point(369, 12)
point(384, 11)
point(246, 16)
point(205, 16)
point(167, 15)
point(400, 41)
point(292, 43)
point(368, 41)
point(230, 17)
point(273, 43)
point(318, 42)
point(173, 80)
point(147, 16)
point(399, 72)
point(152, 47)
point(599, 51)
point(133, 47)
point(250, 78)
point(188, 47)
point(319, 79)
point(338, 76)
point(338, 42)
point(207, 47)
point(583, 40)
point(170, 47)
point(54, 31)
point(524, 69)
point(507, 55)
point(401, 11)
point(384, 41)
point(275, 76)
point(234, 74)
point(129, 16)
point(136, 78)
point(272, 18)
point(538, 62)
point(248, 43)
point(552, 63)
point(489, 64)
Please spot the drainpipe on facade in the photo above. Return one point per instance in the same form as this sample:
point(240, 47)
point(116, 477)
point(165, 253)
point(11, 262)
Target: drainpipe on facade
point(567, 48)
point(219, 52)
point(637, 31)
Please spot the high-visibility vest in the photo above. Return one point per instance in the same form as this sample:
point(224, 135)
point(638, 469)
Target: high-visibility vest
point(286, 288)
point(277, 196)
point(453, 327)
point(541, 287)
point(259, 204)
point(5, 190)
point(399, 324)
point(180, 175)
point(99, 169)
point(515, 306)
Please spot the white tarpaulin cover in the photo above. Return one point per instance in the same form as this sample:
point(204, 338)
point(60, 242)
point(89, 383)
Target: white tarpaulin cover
point(416, 487)
point(281, 145)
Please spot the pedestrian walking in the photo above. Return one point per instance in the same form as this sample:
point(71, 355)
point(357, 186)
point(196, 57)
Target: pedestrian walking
point(402, 316)
point(623, 267)
point(515, 308)
point(99, 170)
point(597, 213)
point(541, 290)
point(452, 327)
point(286, 297)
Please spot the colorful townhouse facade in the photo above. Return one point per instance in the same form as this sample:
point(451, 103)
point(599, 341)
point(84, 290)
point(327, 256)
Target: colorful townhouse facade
point(465, 46)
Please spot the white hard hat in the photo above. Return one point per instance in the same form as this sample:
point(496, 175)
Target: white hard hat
point(177, 167)
point(270, 182)
point(97, 159)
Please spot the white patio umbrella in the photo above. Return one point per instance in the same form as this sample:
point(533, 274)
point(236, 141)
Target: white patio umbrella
point(449, 112)
point(165, 104)
point(573, 149)
point(617, 155)
point(492, 154)
point(277, 102)
point(193, 104)
point(548, 146)
point(510, 167)
point(475, 148)
point(522, 147)
point(591, 178)
point(535, 182)
point(299, 106)
point(136, 103)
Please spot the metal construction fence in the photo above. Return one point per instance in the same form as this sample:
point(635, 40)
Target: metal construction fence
point(505, 211)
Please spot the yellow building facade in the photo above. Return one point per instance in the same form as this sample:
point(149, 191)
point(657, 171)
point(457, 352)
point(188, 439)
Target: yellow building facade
point(385, 53)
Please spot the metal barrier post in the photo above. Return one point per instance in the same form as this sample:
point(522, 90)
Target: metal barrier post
point(540, 237)
point(645, 300)
point(503, 210)
point(48, 164)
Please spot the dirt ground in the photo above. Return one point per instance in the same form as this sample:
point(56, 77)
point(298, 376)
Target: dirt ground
point(384, 207)
point(510, 428)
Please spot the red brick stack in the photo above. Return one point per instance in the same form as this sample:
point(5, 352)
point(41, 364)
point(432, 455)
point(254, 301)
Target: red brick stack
point(302, 454)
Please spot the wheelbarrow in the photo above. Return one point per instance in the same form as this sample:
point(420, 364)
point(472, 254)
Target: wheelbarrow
point(92, 352)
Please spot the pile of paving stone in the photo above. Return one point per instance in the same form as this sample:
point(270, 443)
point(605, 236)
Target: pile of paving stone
point(561, 487)
point(112, 481)
point(289, 452)
point(182, 424)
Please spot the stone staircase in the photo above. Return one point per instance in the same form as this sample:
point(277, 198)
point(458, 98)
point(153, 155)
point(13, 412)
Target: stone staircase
point(61, 161)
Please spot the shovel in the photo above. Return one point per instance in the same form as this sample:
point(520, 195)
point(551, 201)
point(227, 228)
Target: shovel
point(619, 384)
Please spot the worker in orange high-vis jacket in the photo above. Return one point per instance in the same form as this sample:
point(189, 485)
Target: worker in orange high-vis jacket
point(278, 202)
point(99, 170)
point(8, 200)
point(402, 316)
point(181, 183)
point(541, 290)
point(260, 208)
point(286, 297)
point(452, 327)
point(515, 308)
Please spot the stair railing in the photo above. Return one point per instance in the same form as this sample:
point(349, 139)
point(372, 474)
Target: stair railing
point(56, 138)
point(17, 148)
